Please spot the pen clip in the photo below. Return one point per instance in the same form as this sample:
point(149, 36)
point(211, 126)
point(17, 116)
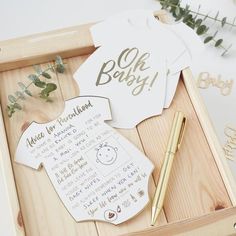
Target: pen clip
point(181, 134)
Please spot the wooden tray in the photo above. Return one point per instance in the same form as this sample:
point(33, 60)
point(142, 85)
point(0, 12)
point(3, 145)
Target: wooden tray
point(200, 184)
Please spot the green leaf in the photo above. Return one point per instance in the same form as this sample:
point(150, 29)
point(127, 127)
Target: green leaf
point(10, 107)
point(164, 5)
point(208, 39)
point(201, 29)
point(20, 95)
point(22, 86)
point(38, 69)
point(33, 77)
point(60, 68)
point(191, 23)
point(58, 60)
point(46, 75)
point(40, 84)
point(172, 10)
point(49, 88)
point(187, 18)
point(198, 22)
point(180, 16)
point(177, 11)
point(46, 88)
point(174, 2)
point(218, 42)
point(17, 106)
point(28, 93)
point(10, 111)
point(223, 21)
point(11, 98)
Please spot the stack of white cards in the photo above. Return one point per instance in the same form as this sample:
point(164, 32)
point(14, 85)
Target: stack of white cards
point(136, 66)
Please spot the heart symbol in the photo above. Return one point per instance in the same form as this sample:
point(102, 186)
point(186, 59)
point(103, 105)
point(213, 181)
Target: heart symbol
point(111, 215)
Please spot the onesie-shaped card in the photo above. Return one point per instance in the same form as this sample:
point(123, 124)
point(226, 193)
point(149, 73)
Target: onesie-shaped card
point(130, 67)
point(97, 173)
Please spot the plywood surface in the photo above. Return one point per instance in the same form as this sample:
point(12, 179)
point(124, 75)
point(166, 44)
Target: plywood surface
point(196, 186)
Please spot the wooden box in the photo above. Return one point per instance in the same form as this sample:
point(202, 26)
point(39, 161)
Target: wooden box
point(200, 186)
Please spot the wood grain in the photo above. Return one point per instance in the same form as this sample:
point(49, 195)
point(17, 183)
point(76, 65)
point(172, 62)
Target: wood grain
point(6, 173)
point(215, 224)
point(200, 182)
point(191, 183)
point(39, 48)
point(210, 134)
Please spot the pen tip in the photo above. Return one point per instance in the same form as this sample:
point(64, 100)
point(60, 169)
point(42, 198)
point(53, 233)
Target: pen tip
point(155, 213)
point(153, 220)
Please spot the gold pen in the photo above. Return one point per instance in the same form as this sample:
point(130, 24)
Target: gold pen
point(175, 139)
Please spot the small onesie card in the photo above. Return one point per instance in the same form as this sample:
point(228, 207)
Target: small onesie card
point(136, 54)
point(97, 173)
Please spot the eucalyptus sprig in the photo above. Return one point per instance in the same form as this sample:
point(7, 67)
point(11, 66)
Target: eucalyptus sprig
point(36, 79)
point(195, 20)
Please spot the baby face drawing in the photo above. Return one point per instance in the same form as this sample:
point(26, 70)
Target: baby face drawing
point(106, 154)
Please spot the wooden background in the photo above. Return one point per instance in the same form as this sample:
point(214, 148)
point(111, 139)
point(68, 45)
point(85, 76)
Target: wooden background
point(201, 182)
point(196, 186)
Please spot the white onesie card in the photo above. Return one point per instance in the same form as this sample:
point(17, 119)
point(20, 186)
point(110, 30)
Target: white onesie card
point(194, 46)
point(97, 173)
point(130, 66)
point(129, 77)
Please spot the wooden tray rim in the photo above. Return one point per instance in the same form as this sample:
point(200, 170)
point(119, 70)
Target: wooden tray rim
point(43, 47)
